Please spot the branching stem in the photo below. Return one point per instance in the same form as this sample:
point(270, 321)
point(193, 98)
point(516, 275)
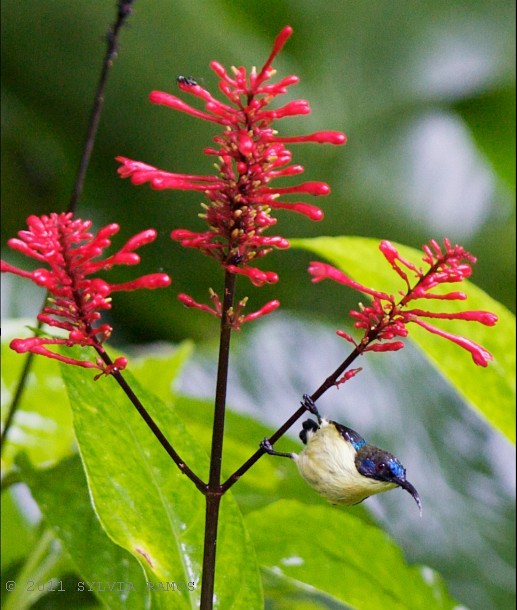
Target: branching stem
point(123, 12)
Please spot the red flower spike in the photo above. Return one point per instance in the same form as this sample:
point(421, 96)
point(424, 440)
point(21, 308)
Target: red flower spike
point(383, 320)
point(250, 157)
point(75, 300)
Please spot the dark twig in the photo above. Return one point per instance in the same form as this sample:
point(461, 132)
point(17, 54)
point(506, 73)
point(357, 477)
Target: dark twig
point(13, 407)
point(124, 9)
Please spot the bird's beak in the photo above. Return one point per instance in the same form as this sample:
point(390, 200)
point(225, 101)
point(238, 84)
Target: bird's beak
point(408, 487)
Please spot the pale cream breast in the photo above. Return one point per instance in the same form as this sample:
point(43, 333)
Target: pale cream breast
point(327, 464)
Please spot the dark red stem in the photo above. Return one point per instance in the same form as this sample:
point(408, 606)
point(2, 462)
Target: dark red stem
point(215, 490)
point(123, 11)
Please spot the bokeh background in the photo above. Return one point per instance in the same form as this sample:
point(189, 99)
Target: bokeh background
point(425, 92)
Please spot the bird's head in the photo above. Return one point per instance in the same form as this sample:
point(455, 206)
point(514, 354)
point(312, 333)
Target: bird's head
point(380, 465)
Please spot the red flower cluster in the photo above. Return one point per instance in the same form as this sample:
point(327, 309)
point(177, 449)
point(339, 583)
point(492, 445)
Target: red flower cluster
point(66, 246)
point(250, 155)
point(385, 319)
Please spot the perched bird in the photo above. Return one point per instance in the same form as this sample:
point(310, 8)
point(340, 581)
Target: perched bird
point(339, 464)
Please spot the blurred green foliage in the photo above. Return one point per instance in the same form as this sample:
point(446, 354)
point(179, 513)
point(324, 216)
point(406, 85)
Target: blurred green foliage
point(424, 91)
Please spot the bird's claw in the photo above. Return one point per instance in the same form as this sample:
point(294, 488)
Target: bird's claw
point(267, 446)
point(310, 405)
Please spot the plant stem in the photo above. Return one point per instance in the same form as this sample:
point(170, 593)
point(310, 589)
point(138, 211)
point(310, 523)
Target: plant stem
point(328, 383)
point(152, 424)
point(215, 491)
point(123, 12)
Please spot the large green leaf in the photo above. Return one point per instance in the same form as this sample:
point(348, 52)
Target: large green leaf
point(146, 505)
point(340, 556)
point(490, 390)
point(284, 593)
point(62, 496)
point(17, 534)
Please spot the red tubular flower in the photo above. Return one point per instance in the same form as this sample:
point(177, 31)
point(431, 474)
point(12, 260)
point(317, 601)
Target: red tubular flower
point(250, 156)
point(347, 376)
point(75, 301)
point(384, 319)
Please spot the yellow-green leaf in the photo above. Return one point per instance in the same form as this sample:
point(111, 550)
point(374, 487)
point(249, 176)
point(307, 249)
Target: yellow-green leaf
point(340, 556)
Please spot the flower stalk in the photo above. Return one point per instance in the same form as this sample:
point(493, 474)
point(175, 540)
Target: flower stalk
point(69, 249)
point(385, 319)
point(250, 156)
point(240, 201)
point(76, 300)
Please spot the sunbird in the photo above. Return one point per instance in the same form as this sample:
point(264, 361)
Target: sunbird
point(340, 465)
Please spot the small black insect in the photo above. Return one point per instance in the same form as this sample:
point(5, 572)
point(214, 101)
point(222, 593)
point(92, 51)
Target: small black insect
point(186, 80)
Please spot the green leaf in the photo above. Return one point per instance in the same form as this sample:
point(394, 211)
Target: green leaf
point(17, 534)
point(284, 593)
point(160, 371)
point(62, 496)
point(342, 557)
point(490, 390)
point(42, 427)
point(146, 505)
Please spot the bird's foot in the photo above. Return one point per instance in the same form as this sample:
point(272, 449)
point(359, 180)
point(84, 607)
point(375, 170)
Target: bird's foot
point(268, 448)
point(310, 405)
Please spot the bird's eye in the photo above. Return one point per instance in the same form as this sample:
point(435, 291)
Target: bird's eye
point(381, 466)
